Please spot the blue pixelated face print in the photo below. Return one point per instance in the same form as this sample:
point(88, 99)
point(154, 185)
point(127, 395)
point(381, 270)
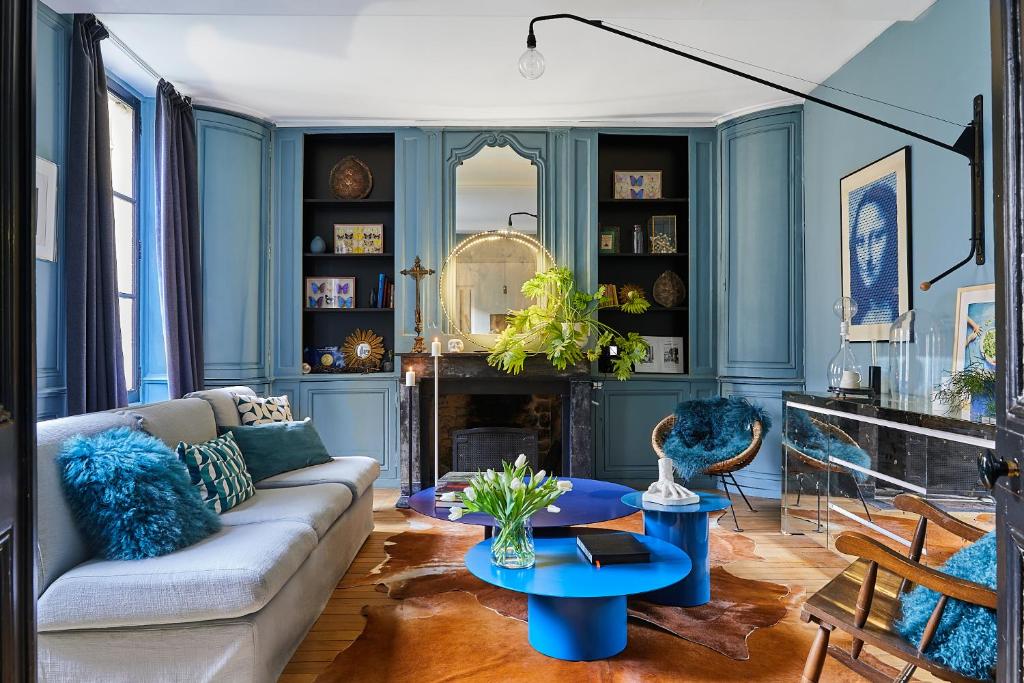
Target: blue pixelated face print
point(874, 252)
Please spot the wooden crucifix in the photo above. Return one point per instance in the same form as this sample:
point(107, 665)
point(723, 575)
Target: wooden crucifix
point(417, 273)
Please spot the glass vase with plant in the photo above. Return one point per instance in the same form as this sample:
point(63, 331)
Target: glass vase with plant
point(511, 497)
point(964, 386)
point(562, 324)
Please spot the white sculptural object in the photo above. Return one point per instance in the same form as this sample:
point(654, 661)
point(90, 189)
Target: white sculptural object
point(666, 491)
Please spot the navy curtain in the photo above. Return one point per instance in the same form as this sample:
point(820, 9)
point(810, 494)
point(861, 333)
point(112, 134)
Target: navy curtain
point(181, 273)
point(95, 367)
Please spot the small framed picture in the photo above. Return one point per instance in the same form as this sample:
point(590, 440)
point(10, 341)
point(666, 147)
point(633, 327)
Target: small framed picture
point(671, 355)
point(663, 235)
point(636, 184)
point(974, 337)
point(652, 362)
point(608, 240)
point(344, 292)
point(610, 296)
point(320, 292)
point(358, 238)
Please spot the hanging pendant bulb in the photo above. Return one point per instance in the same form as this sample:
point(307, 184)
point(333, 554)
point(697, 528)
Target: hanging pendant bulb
point(531, 64)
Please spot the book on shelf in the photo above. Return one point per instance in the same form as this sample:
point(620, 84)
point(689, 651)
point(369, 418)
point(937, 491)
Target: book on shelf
point(620, 547)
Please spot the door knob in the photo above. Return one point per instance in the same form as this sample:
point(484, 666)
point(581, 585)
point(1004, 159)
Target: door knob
point(991, 468)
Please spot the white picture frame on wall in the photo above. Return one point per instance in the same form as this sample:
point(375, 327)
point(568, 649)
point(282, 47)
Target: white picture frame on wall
point(46, 209)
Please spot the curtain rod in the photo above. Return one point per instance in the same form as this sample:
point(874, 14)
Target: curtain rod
point(131, 54)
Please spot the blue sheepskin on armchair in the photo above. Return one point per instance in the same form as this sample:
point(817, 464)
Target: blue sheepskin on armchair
point(805, 436)
point(710, 430)
point(966, 638)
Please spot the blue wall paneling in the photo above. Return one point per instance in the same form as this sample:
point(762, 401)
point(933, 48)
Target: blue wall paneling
point(234, 184)
point(53, 36)
point(286, 266)
point(761, 247)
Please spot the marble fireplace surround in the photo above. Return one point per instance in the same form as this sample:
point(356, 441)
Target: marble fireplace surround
point(469, 373)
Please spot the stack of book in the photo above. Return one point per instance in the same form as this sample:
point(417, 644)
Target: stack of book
point(452, 482)
point(384, 295)
point(619, 547)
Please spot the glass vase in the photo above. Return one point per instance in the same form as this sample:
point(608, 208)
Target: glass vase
point(512, 545)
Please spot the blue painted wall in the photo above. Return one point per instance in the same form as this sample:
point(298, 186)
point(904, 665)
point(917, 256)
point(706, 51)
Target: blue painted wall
point(936, 64)
point(53, 32)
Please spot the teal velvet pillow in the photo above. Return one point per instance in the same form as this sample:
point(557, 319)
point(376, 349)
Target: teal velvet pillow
point(131, 497)
point(277, 447)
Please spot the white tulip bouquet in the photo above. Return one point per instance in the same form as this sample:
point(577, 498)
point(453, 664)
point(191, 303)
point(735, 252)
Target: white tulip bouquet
point(511, 497)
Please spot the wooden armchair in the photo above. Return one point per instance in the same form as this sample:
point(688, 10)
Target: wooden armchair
point(864, 600)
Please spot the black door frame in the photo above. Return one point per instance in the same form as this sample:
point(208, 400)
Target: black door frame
point(17, 341)
point(1008, 214)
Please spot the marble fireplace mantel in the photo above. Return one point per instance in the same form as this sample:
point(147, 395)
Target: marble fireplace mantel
point(469, 373)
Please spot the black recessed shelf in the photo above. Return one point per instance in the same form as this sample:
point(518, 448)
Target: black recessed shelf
point(663, 200)
point(387, 254)
point(349, 310)
point(675, 254)
point(349, 202)
point(669, 154)
point(321, 210)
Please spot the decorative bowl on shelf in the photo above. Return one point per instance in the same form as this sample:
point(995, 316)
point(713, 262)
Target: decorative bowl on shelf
point(351, 179)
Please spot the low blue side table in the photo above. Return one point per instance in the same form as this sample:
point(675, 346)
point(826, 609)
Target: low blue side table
point(686, 527)
point(577, 611)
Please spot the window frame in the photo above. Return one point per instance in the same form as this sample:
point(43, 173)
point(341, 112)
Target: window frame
point(135, 104)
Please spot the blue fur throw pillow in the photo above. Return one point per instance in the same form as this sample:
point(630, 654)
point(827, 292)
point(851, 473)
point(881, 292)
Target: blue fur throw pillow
point(131, 496)
point(805, 436)
point(710, 430)
point(966, 638)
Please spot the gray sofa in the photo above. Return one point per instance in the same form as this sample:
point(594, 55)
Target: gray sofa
point(232, 607)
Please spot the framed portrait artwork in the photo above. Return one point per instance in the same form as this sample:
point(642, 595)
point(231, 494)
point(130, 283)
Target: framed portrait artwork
point(974, 336)
point(875, 244)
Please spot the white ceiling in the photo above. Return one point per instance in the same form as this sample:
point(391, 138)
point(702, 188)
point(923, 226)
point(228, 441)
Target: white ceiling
point(309, 62)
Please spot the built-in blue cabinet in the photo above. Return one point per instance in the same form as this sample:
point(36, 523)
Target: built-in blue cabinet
point(234, 193)
point(627, 413)
point(760, 302)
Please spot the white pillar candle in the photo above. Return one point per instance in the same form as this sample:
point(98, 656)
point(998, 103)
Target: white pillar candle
point(435, 348)
point(410, 378)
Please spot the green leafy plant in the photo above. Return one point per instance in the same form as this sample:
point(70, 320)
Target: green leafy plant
point(964, 385)
point(562, 324)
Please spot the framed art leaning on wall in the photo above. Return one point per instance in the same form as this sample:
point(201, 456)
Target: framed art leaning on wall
point(875, 244)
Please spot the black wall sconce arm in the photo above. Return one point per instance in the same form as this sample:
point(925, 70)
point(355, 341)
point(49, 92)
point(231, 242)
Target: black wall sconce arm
point(970, 144)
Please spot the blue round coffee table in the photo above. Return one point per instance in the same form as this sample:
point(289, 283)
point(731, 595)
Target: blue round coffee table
point(589, 501)
point(577, 611)
point(687, 528)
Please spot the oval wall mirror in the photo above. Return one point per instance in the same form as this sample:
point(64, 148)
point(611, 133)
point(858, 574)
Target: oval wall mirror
point(482, 280)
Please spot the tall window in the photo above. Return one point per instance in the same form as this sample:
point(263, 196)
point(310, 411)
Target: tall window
point(124, 161)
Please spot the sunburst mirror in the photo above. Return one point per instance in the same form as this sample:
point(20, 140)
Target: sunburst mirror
point(363, 350)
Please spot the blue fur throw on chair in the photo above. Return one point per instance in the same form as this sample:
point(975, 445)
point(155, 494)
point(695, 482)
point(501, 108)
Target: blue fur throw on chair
point(131, 496)
point(966, 638)
point(708, 431)
point(805, 436)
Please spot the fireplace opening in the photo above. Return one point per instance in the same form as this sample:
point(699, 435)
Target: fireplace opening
point(541, 413)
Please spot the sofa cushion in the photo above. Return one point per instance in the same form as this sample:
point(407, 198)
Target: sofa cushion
point(317, 506)
point(222, 401)
point(59, 544)
point(183, 419)
point(229, 574)
point(131, 496)
point(278, 447)
point(355, 471)
point(217, 469)
point(255, 410)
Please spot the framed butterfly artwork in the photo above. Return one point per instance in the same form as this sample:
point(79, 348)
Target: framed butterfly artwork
point(358, 238)
point(636, 184)
point(345, 291)
point(319, 292)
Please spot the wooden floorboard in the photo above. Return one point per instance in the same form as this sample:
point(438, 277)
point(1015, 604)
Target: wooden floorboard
point(799, 562)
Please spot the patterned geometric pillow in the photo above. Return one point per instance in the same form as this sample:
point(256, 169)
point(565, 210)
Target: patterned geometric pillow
point(218, 470)
point(253, 410)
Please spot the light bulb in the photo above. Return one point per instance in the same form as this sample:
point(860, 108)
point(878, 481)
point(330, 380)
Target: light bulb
point(531, 64)
point(845, 308)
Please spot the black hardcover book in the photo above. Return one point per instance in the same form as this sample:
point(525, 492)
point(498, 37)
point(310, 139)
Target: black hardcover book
point(619, 547)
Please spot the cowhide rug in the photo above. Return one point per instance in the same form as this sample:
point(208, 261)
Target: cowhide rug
point(450, 626)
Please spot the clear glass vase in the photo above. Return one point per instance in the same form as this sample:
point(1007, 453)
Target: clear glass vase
point(512, 545)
